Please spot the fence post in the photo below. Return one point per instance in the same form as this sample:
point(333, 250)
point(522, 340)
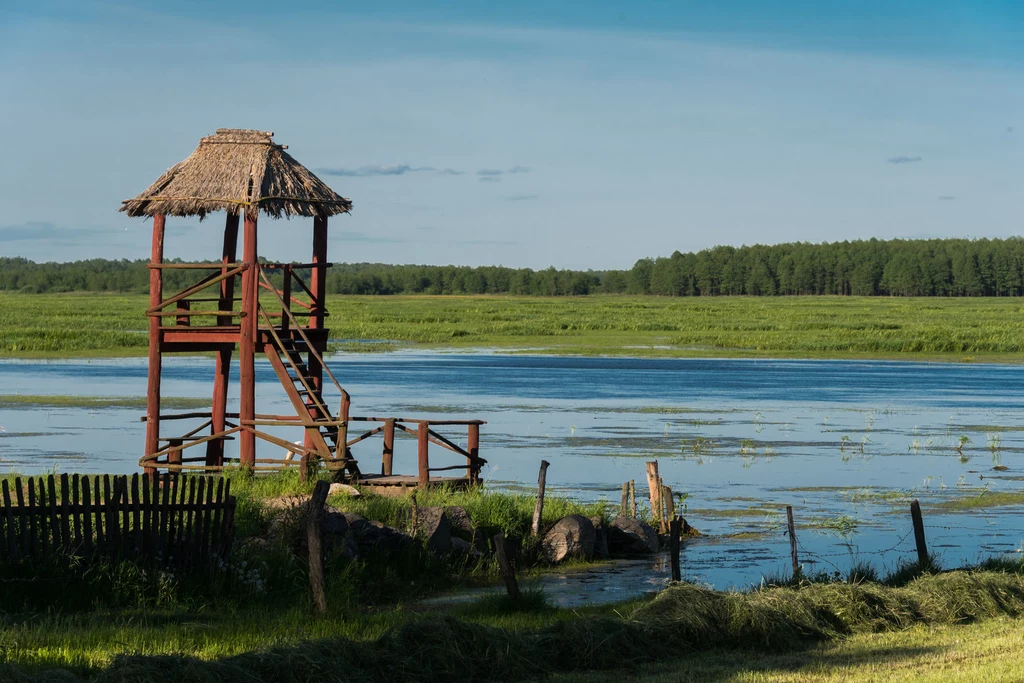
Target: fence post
point(506, 567)
point(624, 505)
point(668, 505)
point(632, 496)
point(314, 513)
point(422, 439)
point(538, 509)
point(922, 547)
point(473, 448)
point(653, 485)
point(388, 458)
point(792, 541)
point(673, 547)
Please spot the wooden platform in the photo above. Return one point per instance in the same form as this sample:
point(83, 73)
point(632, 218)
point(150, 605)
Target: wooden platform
point(398, 484)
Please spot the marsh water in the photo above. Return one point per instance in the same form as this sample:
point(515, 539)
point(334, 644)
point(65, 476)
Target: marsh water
point(847, 443)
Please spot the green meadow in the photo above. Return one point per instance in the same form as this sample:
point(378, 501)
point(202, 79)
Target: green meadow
point(926, 328)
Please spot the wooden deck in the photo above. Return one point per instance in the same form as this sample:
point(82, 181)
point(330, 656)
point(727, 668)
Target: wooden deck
point(400, 484)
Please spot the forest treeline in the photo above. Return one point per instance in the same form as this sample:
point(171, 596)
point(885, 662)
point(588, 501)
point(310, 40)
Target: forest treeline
point(938, 267)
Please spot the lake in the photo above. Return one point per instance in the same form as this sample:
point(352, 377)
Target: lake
point(847, 443)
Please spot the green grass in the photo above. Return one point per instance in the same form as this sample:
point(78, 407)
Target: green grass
point(57, 401)
point(957, 329)
point(684, 629)
point(984, 499)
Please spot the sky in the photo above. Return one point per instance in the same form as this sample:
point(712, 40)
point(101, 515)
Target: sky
point(527, 134)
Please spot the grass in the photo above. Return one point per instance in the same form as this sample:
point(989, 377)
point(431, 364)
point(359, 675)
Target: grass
point(688, 629)
point(125, 624)
point(952, 329)
point(986, 652)
point(984, 499)
point(59, 401)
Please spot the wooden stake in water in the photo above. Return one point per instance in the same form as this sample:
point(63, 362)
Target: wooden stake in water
point(507, 573)
point(654, 487)
point(632, 496)
point(538, 510)
point(624, 505)
point(675, 526)
point(668, 504)
point(792, 540)
point(922, 547)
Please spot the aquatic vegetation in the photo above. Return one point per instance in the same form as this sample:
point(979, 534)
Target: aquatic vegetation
point(94, 402)
point(841, 525)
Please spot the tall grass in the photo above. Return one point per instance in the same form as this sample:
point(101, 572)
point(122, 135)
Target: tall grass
point(97, 324)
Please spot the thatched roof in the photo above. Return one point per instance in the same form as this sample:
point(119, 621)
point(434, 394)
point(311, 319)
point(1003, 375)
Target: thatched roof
point(238, 170)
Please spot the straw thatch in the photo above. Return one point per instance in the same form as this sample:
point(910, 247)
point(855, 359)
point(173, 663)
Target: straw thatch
point(238, 170)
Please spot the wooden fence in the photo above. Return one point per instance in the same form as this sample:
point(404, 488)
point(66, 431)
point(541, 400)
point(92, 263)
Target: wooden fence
point(173, 521)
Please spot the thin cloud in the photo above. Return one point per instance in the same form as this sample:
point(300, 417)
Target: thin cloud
point(374, 170)
point(490, 179)
point(494, 172)
point(521, 198)
point(946, 198)
point(450, 171)
point(905, 160)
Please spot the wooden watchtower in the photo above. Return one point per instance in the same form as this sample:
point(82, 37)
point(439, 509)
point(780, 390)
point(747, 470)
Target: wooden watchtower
point(245, 173)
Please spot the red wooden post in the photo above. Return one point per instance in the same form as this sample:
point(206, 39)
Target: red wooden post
point(389, 447)
point(286, 295)
point(183, 319)
point(247, 344)
point(156, 286)
point(473, 446)
point(318, 278)
point(423, 458)
point(215, 448)
point(318, 286)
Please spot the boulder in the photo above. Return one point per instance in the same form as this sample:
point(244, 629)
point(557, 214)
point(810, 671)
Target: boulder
point(461, 524)
point(571, 537)
point(629, 536)
point(600, 538)
point(461, 546)
point(336, 534)
point(344, 490)
point(432, 524)
point(356, 521)
point(377, 536)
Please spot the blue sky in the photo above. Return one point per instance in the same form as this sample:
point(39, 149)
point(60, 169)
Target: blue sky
point(574, 134)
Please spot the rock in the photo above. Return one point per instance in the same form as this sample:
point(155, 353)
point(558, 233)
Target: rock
point(461, 546)
point(461, 524)
point(356, 521)
point(377, 536)
point(338, 535)
point(600, 538)
point(629, 536)
point(480, 543)
point(344, 490)
point(571, 537)
point(287, 502)
point(433, 525)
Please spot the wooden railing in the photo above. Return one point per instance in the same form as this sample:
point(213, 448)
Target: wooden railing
point(169, 522)
point(424, 437)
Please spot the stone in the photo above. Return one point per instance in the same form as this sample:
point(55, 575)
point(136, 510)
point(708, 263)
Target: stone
point(432, 524)
point(600, 538)
point(628, 536)
point(337, 534)
point(461, 524)
point(338, 489)
point(571, 537)
point(461, 546)
point(356, 521)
